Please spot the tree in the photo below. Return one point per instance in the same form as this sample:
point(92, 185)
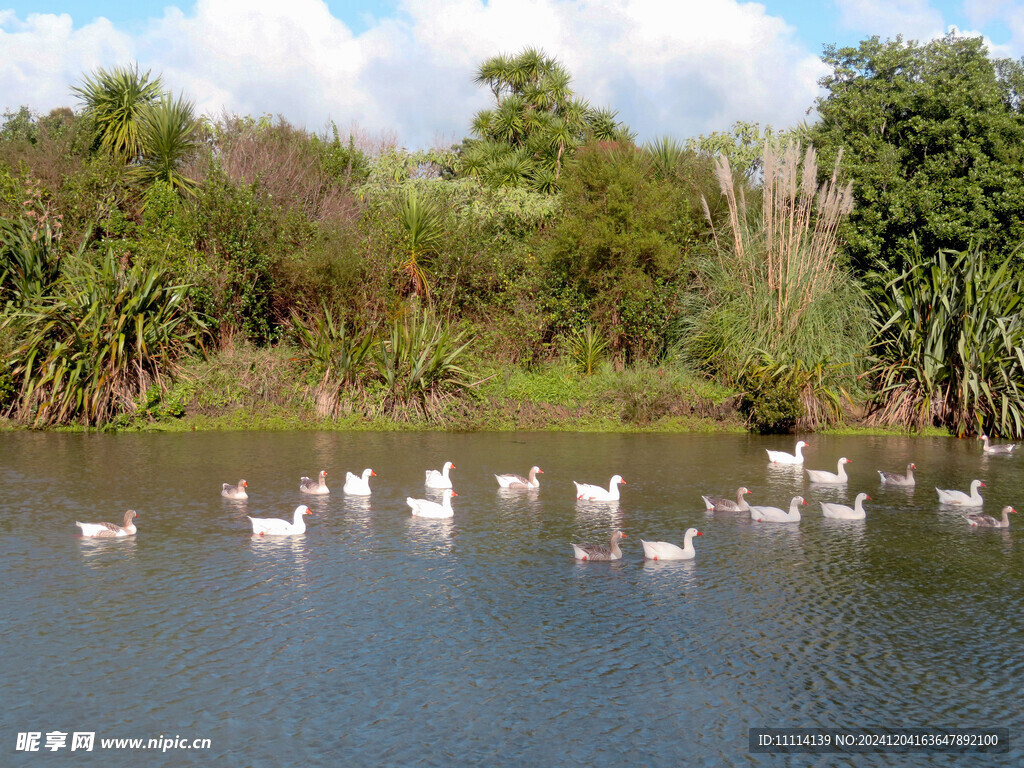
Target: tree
point(536, 123)
point(168, 132)
point(116, 100)
point(933, 138)
point(618, 254)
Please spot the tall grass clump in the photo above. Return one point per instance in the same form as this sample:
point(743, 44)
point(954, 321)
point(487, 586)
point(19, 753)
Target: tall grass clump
point(420, 360)
point(586, 348)
point(89, 352)
point(777, 307)
point(334, 353)
point(949, 349)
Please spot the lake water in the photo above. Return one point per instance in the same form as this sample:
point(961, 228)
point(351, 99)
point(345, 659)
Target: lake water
point(379, 639)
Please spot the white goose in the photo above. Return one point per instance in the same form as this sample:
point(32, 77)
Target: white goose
point(894, 478)
point(987, 521)
point(663, 550)
point(235, 491)
point(316, 487)
point(109, 530)
point(272, 526)
point(597, 493)
point(599, 552)
point(832, 478)
point(776, 515)
point(843, 512)
point(1001, 448)
point(718, 504)
point(431, 509)
point(962, 499)
point(520, 482)
point(435, 479)
point(781, 457)
point(356, 485)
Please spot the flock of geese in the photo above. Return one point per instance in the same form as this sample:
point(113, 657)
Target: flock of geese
point(440, 480)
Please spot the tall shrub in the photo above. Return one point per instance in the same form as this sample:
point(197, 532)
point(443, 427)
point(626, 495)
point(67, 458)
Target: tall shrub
point(950, 347)
point(88, 353)
point(776, 295)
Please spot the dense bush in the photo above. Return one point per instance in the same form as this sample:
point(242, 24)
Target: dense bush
point(950, 347)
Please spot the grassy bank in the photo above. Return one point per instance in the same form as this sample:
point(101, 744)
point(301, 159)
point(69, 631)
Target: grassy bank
point(268, 389)
point(247, 388)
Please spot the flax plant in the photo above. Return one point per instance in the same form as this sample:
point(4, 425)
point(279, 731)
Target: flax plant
point(88, 353)
point(775, 293)
point(949, 349)
point(586, 349)
point(420, 360)
point(335, 354)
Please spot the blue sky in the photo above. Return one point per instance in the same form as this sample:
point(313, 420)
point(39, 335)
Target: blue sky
point(402, 70)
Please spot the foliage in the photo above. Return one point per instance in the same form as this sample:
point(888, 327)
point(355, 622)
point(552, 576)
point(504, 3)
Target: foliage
point(586, 348)
point(423, 228)
point(950, 347)
point(239, 236)
point(116, 100)
point(933, 137)
point(775, 284)
point(89, 352)
point(770, 404)
point(537, 123)
point(168, 133)
point(334, 352)
point(782, 396)
point(743, 145)
point(619, 252)
point(420, 359)
point(302, 173)
point(29, 259)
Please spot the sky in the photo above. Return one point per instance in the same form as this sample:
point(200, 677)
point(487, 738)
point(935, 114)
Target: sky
point(402, 70)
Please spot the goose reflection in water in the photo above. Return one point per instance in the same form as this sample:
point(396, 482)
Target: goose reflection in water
point(100, 553)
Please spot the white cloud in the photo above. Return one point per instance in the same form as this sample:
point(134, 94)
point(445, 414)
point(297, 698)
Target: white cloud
point(42, 57)
point(676, 70)
point(914, 19)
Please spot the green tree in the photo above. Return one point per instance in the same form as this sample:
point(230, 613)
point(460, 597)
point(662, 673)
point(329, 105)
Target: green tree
point(535, 124)
point(115, 100)
point(169, 136)
point(932, 136)
point(617, 256)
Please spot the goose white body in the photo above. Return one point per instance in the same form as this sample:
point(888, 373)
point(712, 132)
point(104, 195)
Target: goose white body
point(838, 477)
point(961, 499)
point(663, 550)
point(588, 492)
point(431, 509)
point(272, 526)
point(356, 485)
point(776, 515)
point(781, 457)
point(439, 480)
point(843, 512)
point(519, 482)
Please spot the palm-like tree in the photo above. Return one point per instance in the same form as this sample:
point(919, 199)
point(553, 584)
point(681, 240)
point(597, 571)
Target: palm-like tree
point(536, 120)
point(116, 100)
point(421, 221)
point(169, 133)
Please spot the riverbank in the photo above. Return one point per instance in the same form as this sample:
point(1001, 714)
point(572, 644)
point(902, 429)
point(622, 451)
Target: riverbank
point(269, 389)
